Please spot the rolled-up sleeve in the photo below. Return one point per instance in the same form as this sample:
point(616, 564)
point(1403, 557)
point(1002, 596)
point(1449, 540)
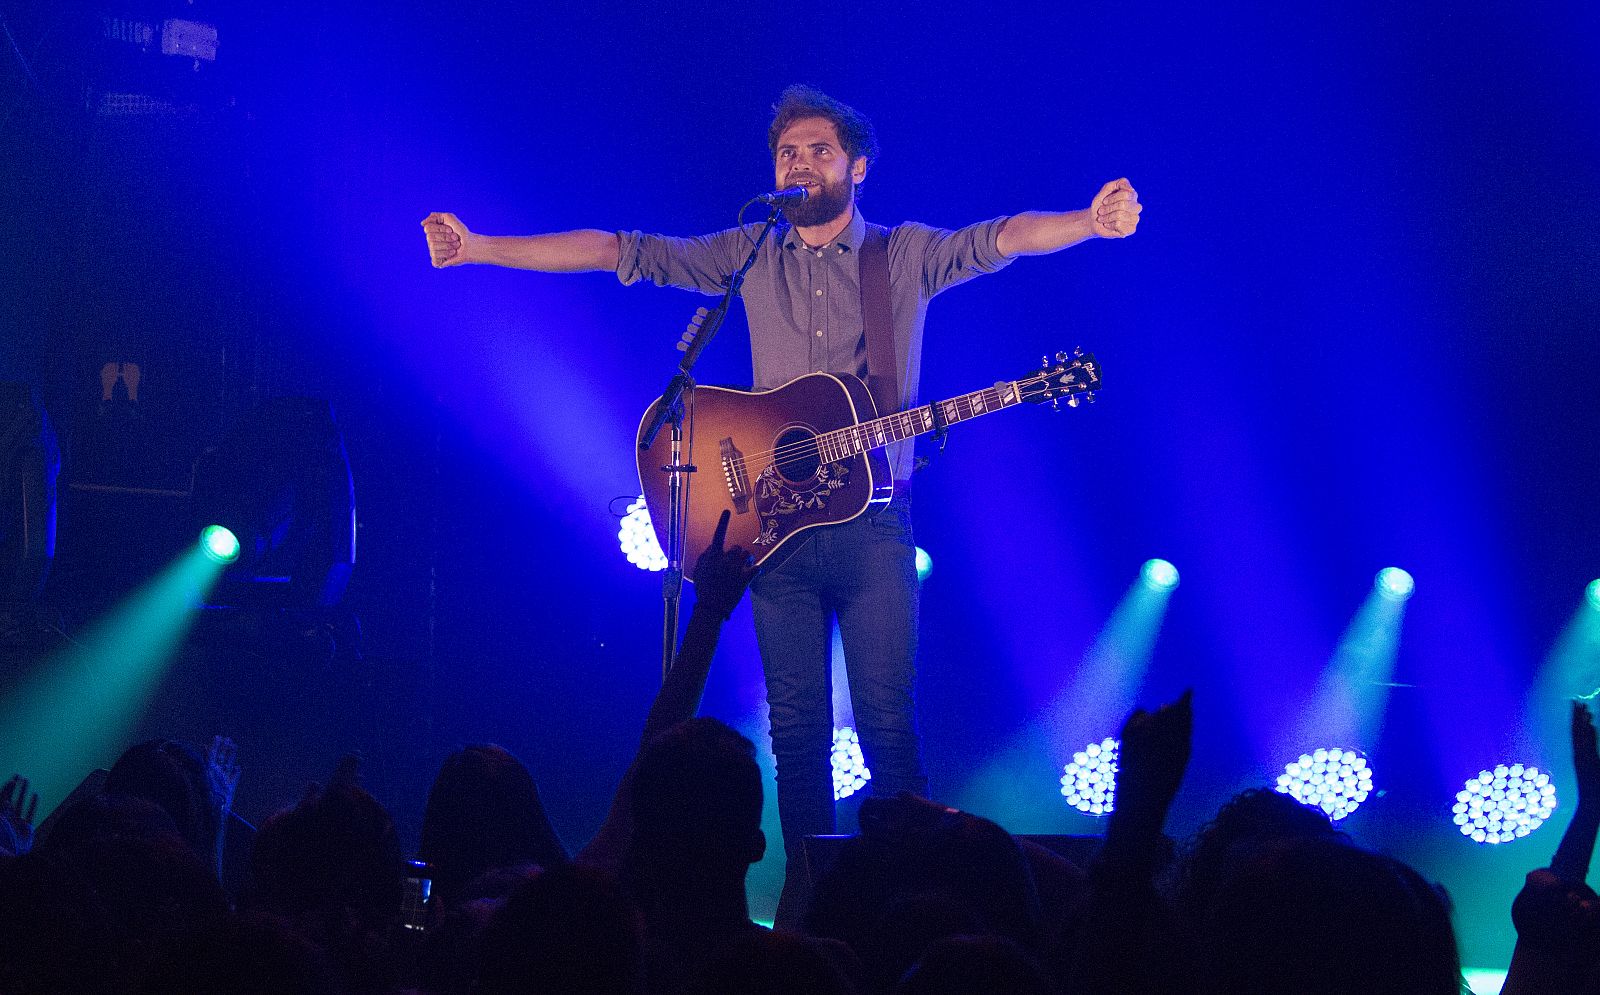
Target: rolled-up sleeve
point(701, 263)
point(942, 258)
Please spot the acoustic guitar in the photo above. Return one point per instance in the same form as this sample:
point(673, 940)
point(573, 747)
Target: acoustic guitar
point(809, 454)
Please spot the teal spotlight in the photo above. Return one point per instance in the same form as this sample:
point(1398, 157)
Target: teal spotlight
point(1159, 575)
point(219, 543)
point(1593, 592)
point(925, 564)
point(1394, 584)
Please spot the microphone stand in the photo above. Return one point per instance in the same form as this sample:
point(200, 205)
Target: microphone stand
point(675, 401)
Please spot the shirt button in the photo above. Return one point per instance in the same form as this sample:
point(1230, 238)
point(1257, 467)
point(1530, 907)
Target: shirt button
point(841, 248)
point(819, 293)
point(819, 333)
point(819, 253)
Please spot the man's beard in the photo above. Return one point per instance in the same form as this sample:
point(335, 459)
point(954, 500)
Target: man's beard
point(826, 203)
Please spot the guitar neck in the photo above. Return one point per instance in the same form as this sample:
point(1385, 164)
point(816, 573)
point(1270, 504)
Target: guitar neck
point(880, 432)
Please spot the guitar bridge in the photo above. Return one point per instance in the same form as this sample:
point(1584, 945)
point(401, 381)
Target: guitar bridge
point(738, 479)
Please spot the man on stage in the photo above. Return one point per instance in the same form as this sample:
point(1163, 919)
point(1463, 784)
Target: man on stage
point(804, 301)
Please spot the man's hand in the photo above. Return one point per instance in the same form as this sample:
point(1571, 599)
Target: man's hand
point(1585, 756)
point(17, 810)
point(721, 576)
point(1152, 760)
point(1556, 915)
point(222, 771)
point(449, 241)
point(1114, 212)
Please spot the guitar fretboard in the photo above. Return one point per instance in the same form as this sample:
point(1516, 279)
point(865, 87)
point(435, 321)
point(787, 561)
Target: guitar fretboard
point(879, 432)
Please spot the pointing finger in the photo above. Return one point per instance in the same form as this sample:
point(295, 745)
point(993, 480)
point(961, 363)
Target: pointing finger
point(721, 533)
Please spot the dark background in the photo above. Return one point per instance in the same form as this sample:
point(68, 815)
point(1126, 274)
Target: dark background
point(1356, 329)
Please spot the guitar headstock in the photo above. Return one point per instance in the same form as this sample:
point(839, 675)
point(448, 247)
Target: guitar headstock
point(1072, 378)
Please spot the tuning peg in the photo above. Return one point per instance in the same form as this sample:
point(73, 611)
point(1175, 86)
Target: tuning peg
point(1089, 397)
point(1061, 357)
point(700, 314)
point(1077, 351)
point(1072, 402)
point(1044, 361)
point(1055, 404)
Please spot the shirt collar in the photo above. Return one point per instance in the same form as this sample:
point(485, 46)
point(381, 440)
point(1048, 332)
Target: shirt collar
point(847, 240)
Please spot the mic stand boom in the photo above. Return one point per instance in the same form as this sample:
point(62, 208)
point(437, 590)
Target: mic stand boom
point(675, 401)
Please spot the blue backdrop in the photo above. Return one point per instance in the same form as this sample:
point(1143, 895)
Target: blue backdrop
point(1355, 329)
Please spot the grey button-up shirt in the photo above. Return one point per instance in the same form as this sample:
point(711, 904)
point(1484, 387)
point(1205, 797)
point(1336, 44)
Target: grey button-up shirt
point(804, 304)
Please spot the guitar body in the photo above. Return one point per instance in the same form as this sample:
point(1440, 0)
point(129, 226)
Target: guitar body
point(756, 456)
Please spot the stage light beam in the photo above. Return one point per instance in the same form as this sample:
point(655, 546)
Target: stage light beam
point(219, 543)
point(74, 712)
point(1394, 584)
point(1159, 575)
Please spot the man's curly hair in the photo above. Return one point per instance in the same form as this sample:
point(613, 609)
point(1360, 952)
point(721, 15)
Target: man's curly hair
point(801, 101)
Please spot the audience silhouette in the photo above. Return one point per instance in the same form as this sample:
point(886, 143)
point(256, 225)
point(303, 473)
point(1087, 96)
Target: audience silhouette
point(122, 894)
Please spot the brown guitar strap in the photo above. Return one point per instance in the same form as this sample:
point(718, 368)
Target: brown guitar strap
point(883, 370)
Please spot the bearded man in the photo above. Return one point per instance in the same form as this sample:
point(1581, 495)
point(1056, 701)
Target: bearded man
point(804, 303)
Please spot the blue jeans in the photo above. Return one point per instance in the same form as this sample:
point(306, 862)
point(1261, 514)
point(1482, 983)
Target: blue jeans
point(863, 573)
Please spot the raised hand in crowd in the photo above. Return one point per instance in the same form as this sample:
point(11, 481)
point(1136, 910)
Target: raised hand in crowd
point(721, 577)
point(1576, 850)
point(222, 772)
point(17, 811)
point(1119, 945)
point(1151, 762)
point(1556, 914)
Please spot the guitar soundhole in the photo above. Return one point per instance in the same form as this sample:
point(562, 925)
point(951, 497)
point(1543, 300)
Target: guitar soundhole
point(796, 455)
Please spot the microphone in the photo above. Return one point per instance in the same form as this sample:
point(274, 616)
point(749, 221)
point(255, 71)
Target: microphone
point(785, 198)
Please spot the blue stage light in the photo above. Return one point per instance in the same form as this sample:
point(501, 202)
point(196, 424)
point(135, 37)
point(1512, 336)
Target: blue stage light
point(1394, 584)
point(1593, 593)
point(1334, 780)
point(924, 564)
point(638, 539)
point(850, 773)
point(1090, 780)
point(1159, 575)
point(219, 543)
point(1504, 804)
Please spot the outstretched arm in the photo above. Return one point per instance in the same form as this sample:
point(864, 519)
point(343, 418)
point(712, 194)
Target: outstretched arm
point(1114, 213)
point(720, 577)
point(1571, 862)
point(1125, 936)
point(451, 243)
point(1556, 914)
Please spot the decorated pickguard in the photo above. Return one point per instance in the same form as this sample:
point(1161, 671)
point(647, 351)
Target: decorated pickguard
point(778, 499)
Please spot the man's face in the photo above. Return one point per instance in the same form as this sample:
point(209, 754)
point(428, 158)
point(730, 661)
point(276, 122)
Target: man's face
point(809, 155)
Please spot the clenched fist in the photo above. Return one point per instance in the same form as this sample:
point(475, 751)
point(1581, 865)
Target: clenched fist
point(1114, 212)
point(449, 241)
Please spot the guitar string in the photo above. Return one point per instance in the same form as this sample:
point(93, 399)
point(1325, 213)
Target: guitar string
point(842, 435)
point(796, 448)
